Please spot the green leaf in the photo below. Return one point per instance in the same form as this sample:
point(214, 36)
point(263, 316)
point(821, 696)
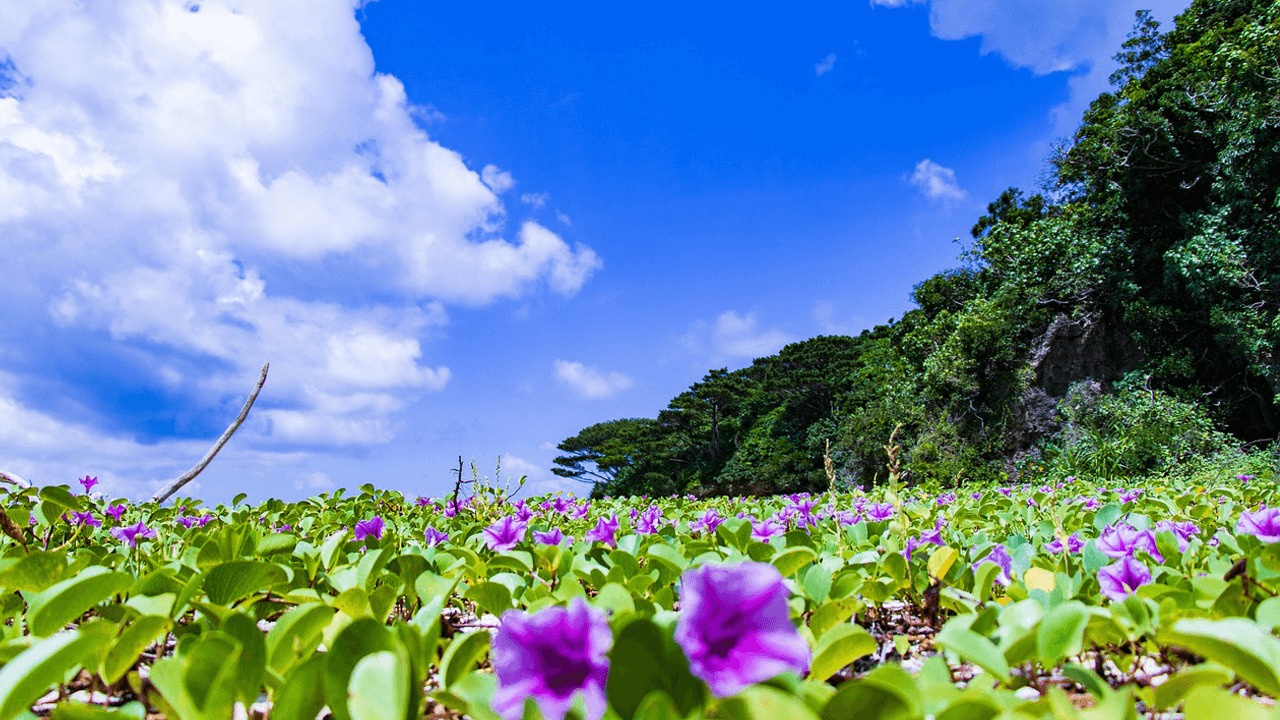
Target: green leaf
point(817, 584)
point(1180, 684)
point(228, 582)
point(200, 682)
point(46, 663)
point(645, 660)
point(1206, 703)
point(1061, 633)
point(296, 635)
point(490, 597)
point(253, 655)
point(125, 650)
point(79, 711)
point(362, 637)
point(1240, 644)
point(463, 653)
point(832, 613)
point(839, 648)
point(761, 702)
point(790, 561)
point(301, 695)
point(33, 572)
point(974, 648)
point(379, 688)
point(52, 609)
point(888, 693)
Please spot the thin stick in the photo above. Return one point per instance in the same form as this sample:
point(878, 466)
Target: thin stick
point(13, 479)
point(190, 475)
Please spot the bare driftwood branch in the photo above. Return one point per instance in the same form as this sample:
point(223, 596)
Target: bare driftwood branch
point(190, 475)
point(12, 479)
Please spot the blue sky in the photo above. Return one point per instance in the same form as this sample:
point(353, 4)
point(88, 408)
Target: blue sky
point(474, 230)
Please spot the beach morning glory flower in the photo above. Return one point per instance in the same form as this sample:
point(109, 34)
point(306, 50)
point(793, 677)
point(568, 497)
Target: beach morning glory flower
point(649, 521)
point(1000, 556)
point(1074, 544)
point(603, 532)
point(85, 518)
point(1119, 541)
point(551, 656)
point(187, 521)
point(554, 536)
point(735, 626)
point(766, 530)
point(133, 533)
point(1264, 524)
point(708, 523)
point(504, 534)
point(373, 526)
point(434, 537)
point(88, 482)
point(115, 511)
point(1121, 578)
point(879, 511)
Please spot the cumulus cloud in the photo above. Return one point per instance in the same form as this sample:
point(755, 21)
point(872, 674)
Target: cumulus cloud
point(590, 382)
point(213, 185)
point(1047, 36)
point(824, 67)
point(936, 182)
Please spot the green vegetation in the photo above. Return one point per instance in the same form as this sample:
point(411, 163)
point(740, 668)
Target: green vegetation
point(1125, 320)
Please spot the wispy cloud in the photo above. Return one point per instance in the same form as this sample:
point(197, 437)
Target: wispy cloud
point(497, 179)
point(936, 182)
point(733, 336)
point(825, 66)
point(589, 382)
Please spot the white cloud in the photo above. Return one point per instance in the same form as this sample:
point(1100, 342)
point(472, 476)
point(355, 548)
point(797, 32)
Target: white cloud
point(936, 182)
point(824, 67)
point(830, 322)
point(535, 200)
point(497, 179)
point(590, 382)
point(734, 336)
point(233, 182)
point(539, 479)
point(1047, 36)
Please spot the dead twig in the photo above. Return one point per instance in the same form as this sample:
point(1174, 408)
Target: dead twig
point(190, 475)
point(12, 479)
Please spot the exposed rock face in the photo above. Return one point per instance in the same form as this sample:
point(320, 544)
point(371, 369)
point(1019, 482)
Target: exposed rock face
point(1071, 350)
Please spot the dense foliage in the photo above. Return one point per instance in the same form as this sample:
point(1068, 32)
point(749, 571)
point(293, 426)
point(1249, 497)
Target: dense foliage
point(1142, 282)
point(1065, 600)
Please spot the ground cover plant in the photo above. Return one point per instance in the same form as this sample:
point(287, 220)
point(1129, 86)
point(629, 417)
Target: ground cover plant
point(1057, 599)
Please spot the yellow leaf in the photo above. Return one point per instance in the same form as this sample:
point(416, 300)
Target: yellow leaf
point(941, 561)
point(1038, 579)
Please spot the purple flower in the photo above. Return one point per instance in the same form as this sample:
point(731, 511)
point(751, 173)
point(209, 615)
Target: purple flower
point(424, 502)
point(1120, 579)
point(1005, 491)
point(1264, 524)
point(1031, 502)
point(187, 521)
point(1090, 503)
point(88, 482)
point(1182, 531)
point(1128, 496)
point(1073, 546)
point(1000, 556)
point(551, 656)
point(766, 530)
point(1244, 479)
point(554, 536)
point(132, 533)
point(284, 528)
point(434, 537)
point(84, 518)
point(708, 523)
point(603, 532)
point(561, 504)
point(115, 511)
point(1120, 541)
point(204, 519)
point(649, 521)
point(735, 626)
point(578, 512)
point(373, 526)
point(976, 496)
point(879, 511)
point(504, 534)
point(946, 498)
point(934, 536)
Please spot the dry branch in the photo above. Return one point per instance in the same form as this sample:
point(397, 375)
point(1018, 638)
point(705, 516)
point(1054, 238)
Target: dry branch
point(12, 479)
point(190, 475)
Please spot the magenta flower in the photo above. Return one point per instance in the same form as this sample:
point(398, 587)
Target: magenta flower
point(603, 532)
point(88, 482)
point(766, 530)
point(84, 518)
point(424, 502)
point(649, 521)
point(708, 523)
point(554, 536)
point(1120, 541)
point(373, 526)
point(1120, 579)
point(115, 511)
point(552, 657)
point(879, 511)
point(1000, 556)
point(1264, 524)
point(504, 534)
point(133, 533)
point(187, 521)
point(434, 537)
point(561, 504)
point(578, 512)
point(1073, 546)
point(1182, 532)
point(735, 626)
